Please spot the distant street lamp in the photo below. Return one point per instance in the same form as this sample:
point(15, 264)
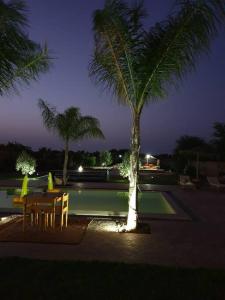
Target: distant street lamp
point(147, 157)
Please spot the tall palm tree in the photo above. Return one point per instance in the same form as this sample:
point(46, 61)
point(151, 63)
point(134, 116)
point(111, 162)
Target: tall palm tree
point(21, 59)
point(70, 126)
point(140, 65)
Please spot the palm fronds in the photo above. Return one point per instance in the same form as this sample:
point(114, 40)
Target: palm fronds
point(140, 65)
point(88, 127)
point(70, 125)
point(65, 122)
point(21, 59)
point(48, 114)
point(117, 32)
point(172, 47)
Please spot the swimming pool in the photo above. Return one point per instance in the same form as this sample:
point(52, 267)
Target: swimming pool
point(101, 202)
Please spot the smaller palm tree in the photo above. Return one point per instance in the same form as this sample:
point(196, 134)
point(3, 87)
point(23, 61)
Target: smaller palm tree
point(70, 126)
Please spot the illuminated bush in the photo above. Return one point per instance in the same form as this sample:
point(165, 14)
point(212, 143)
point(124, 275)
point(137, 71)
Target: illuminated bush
point(25, 163)
point(124, 167)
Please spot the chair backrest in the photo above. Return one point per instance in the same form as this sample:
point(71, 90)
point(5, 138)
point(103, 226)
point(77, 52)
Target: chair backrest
point(212, 180)
point(63, 204)
point(65, 200)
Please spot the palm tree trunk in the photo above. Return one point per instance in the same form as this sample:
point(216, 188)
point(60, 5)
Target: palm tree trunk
point(132, 218)
point(65, 162)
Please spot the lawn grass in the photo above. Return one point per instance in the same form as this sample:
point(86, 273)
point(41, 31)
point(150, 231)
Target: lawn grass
point(10, 175)
point(35, 279)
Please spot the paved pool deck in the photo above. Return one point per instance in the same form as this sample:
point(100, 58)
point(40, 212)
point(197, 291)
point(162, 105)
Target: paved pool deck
point(199, 242)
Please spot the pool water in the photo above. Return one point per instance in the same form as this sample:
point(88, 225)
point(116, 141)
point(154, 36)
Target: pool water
point(102, 202)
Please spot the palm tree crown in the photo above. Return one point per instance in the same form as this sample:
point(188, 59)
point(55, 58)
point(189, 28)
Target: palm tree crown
point(21, 59)
point(139, 65)
point(70, 125)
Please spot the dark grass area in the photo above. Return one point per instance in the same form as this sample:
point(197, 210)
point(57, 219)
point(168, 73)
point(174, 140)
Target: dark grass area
point(10, 175)
point(34, 279)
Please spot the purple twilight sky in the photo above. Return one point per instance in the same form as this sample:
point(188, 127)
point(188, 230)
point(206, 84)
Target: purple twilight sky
point(67, 28)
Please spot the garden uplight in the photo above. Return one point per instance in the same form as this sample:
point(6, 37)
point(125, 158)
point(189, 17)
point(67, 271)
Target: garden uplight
point(80, 169)
point(147, 157)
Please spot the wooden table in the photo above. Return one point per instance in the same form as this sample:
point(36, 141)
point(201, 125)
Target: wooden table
point(38, 204)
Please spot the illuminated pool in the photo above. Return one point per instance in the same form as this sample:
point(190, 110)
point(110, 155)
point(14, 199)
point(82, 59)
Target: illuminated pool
point(102, 202)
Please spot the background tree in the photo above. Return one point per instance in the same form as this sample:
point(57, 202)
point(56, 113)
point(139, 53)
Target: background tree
point(90, 161)
point(105, 158)
point(48, 159)
point(26, 163)
point(219, 139)
point(70, 126)
point(139, 66)
point(117, 155)
point(188, 149)
point(188, 143)
point(21, 59)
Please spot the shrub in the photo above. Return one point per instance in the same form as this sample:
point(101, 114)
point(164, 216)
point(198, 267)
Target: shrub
point(25, 163)
point(124, 167)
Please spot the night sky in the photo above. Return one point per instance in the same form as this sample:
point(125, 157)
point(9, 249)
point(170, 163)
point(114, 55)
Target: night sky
point(67, 28)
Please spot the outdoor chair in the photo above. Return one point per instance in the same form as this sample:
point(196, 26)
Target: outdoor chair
point(30, 212)
point(185, 182)
point(61, 209)
point(214, 183)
